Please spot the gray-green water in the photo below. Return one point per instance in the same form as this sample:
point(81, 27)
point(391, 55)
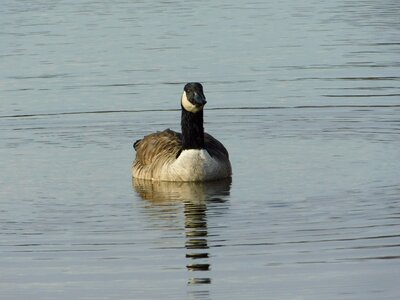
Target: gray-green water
point(304, 94)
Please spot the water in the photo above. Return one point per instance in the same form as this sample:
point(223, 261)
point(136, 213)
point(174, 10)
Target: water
point(306, 97)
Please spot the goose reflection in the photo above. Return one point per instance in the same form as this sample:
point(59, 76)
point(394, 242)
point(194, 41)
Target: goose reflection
point(199, 199)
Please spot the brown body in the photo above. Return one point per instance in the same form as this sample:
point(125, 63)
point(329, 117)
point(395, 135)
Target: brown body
point(156, 152)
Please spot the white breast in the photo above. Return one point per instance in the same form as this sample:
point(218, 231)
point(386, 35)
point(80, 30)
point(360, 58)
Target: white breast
point(194, 165)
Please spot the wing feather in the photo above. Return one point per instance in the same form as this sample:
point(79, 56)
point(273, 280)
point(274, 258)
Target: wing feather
point(215, 147)
point(154, 151)
point(218, 151)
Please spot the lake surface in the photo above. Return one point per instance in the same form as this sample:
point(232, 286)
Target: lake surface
point(304, 94)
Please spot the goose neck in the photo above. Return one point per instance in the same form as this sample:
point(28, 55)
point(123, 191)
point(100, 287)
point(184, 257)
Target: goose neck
point(192, 130)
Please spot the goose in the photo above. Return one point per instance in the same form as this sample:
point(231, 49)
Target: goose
point(192, 155)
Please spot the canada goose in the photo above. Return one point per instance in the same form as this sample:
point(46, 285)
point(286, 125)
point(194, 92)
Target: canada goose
point(192, 155)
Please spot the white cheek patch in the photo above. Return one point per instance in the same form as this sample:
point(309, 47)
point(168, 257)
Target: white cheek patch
point(187, 105)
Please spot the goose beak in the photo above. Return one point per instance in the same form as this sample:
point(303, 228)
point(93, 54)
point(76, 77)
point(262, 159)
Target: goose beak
point(199, 99)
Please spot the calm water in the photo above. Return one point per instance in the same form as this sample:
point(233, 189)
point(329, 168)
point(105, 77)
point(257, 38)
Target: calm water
point(304, 94)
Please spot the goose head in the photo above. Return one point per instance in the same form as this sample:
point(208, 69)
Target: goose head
point(193, 99)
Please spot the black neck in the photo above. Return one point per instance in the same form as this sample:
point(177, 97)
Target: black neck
point(192, 130)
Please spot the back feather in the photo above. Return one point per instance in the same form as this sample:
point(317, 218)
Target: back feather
point(155, 150)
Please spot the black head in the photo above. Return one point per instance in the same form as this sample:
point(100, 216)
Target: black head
point(193, 99)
